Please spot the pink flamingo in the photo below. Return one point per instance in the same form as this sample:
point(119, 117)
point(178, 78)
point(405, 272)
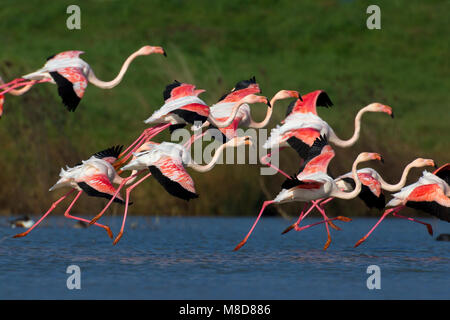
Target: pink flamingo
point(313, 183)
point(430, 194)
point(372, 186)
point(72, 74)
point(167, 162)
point(95, 177)
point(306, 127)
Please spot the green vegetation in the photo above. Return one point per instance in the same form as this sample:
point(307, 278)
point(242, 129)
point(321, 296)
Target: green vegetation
point(316, 44)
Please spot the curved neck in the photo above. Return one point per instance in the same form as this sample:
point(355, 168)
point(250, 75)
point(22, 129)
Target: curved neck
point(350, 142)
point(265, 122)
point(126, 181)
point(353, 194)
point(212, 163)
point(395, 187)
point(111, 84)
point(227, 122)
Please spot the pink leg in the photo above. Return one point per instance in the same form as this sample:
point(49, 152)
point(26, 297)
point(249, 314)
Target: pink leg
point(323, 221)
point(144, 134)
point(265, 204)
point(53, 206)
point(379, 221)
point(194, 138)
point(22, 84)
point(12, 82)
point(263, 161)
point(112, 199)
point(303, 214)
point(67, 215)
point(429, 228)
point(129, 189)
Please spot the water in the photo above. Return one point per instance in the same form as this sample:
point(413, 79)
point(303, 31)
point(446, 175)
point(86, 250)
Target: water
point(192, 258)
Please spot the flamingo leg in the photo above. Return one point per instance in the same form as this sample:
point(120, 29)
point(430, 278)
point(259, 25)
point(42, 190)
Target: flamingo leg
point(429, 228)
point(263, 160)
point(67, 215)
point(98, 216)
point(302, 214)
point(379, 221)
point(265, 204)
point(323, 221)
point(22, 84)
point(127, 200)
point(144, 133)
point(4, 85)
point(53, 206)
point(193, 138)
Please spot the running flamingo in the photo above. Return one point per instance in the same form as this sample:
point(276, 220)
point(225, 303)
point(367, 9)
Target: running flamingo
point(95, 177)
point(430, 194)
point(306, 127)
point(372, 186)
point(313, 182)
point(71, 74)
point(166, 161)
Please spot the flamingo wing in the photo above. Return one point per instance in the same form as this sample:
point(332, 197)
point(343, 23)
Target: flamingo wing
point(172, 175)
point(110, 155)
point(98, 185)
point(309, 102)
point(317, 157)
point(367, 195)
point(443, 172)
point(430, 198)
point(71, 84)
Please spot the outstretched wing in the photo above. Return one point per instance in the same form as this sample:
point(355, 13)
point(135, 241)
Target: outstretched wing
point(71, 84)
point(172, 175)
point(317, 157)
point(309, 102)
point(98, 185)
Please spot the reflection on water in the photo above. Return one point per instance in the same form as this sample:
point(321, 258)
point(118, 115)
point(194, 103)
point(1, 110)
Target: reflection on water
point(189, 258)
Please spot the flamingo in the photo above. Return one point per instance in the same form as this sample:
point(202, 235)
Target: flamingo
point(301, 127)
point(95, 177)
point(313, 182)
point(309, 103)
point(372, 186)
point(72, 74)
point(167, 161)
point(182, 106)
point(429, 194)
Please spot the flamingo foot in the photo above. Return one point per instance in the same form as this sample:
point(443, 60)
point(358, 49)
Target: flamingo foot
point(292, 226)
point(342, 218)
point(335, 227)
point(327, 244)
point(430, 229)
point(360, 241)
point(118, 238)
point(94, 220)
point(108, 230)
point(19, 235)
point(240, 245)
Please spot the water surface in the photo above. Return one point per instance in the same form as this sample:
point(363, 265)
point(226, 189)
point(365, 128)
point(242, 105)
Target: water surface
point(192, 258)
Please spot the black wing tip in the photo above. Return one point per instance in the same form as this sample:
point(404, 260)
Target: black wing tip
point(324, 100)
point(113, 151)
point(169, 88)
point(290, 183)
point(66, 92)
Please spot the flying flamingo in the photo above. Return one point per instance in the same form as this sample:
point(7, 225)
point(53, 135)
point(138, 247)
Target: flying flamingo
point(182, 106)
point(306, 127)
point(95, 177)
point(72, 74)
point(167, 162)
point(313, 183)
point(430, 194)
point(372, 186)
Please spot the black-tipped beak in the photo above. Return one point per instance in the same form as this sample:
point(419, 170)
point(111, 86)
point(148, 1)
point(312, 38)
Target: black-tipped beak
point(435, 165)
point(382, 159)
point(392, 115)
point(300, 97)
point(268, 103)
point(165, 53)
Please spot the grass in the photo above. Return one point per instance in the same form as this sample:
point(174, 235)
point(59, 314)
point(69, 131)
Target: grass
point(313, 45)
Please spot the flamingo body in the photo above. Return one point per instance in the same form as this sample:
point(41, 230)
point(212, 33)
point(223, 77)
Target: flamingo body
point(309, 102)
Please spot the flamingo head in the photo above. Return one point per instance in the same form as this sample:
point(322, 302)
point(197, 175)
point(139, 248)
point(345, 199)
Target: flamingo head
point(253, 98)
point(420, 162)
point(146, 50)
point(286, 94)
point(367, 156)
point(2, 100)
point(240, 141)
point(378, 107)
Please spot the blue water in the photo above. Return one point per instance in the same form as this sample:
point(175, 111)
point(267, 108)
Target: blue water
point(192, 258)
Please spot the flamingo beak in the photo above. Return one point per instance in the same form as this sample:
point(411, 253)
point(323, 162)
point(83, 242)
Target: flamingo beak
point(268, 103)
point(248, 141)
point(300, 97)
point(159, 50)
point(388, 110)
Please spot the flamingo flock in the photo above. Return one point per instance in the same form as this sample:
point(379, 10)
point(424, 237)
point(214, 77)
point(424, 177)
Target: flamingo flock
point(302, 130)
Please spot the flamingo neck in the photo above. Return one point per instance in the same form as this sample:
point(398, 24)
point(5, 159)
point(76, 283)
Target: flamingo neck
point(337, 193)
point(111, 84)
point(265, 122)
point(227, 122)
point(350, 142)
point(395, 187)
point(212, 163)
